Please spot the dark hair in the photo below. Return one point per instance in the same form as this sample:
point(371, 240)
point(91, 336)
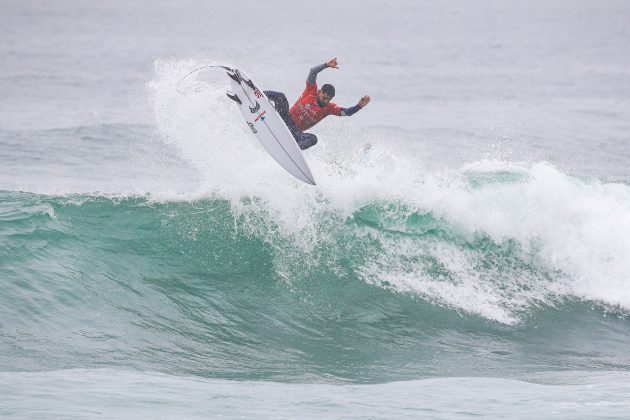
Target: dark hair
point(329, 90)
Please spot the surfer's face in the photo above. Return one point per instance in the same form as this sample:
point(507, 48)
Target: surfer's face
point(322, 98)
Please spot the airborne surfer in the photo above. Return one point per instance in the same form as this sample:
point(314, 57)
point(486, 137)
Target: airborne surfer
point(311, 107)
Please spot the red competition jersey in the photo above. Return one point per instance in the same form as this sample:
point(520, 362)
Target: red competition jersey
point(306, 112)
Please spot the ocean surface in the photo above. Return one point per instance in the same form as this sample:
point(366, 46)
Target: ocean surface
point(465, 253)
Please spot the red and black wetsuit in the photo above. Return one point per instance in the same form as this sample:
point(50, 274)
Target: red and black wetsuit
point(306, 112)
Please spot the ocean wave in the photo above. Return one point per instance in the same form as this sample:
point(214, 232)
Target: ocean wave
point(499, 258)
point(497, 240)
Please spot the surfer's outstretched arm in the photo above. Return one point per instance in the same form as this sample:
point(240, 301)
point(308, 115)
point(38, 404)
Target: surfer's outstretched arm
point(312, 75)
point(346, 112)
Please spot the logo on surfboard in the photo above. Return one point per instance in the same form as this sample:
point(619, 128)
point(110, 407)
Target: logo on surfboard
point(261, 116)
point(251, 126)
point(255, 108)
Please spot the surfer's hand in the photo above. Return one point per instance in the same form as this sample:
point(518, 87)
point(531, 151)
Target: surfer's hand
point(332, 63)
point(364, 101)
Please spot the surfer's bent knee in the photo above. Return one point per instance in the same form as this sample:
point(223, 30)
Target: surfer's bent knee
point(307, 140)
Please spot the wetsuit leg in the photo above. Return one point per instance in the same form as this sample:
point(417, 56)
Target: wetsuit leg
point(306, 140)
point(280, 102)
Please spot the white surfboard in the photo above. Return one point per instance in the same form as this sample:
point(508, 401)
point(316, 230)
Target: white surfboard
point(267, 125)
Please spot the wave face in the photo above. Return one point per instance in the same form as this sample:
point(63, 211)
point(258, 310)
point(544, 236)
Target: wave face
point(516, 268)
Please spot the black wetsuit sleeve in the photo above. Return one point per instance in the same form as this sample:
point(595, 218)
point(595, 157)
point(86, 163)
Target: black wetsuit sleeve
point(273, 96)
point(350, 111)
point(312, 75)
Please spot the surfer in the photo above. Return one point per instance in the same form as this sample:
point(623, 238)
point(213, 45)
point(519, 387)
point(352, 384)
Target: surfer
point(311, 107)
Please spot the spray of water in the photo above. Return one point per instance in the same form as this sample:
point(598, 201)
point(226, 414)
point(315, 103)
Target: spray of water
point(567, 237)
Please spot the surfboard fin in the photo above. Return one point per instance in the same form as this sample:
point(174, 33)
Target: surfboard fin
point(250, 84)
point(234, 77)
point(233, 97)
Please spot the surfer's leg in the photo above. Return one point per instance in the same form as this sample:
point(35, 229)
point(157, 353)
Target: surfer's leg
point(281, 104)
point(306, 140)
point(279, 100)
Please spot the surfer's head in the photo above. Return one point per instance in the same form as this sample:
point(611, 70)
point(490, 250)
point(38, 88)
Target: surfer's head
point(325, 94)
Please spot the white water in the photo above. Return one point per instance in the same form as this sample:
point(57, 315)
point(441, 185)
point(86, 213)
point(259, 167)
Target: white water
point(577, 229)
